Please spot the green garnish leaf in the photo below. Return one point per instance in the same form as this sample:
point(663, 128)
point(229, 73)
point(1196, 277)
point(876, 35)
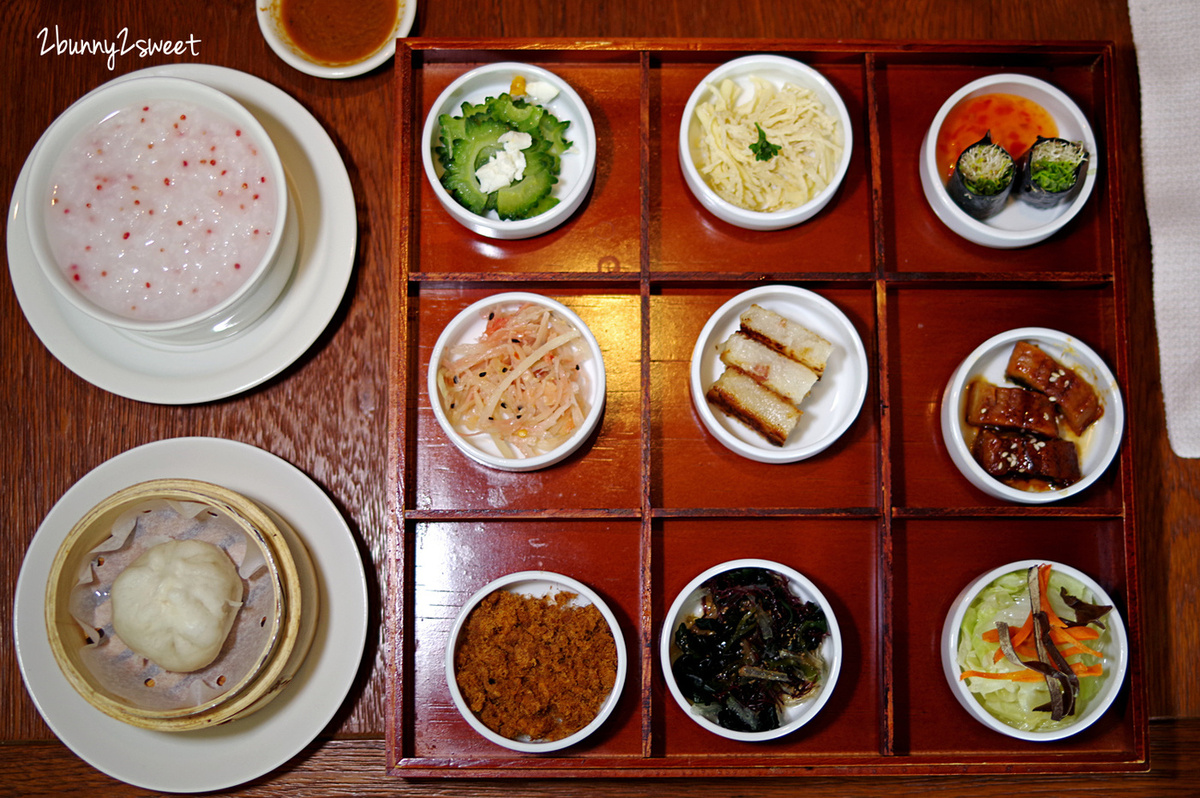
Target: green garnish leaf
point(763, 150)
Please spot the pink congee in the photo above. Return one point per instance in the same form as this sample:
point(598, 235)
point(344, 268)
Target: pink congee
point(162, 210)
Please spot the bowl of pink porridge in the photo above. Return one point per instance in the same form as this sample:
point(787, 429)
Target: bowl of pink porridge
point(159, 206)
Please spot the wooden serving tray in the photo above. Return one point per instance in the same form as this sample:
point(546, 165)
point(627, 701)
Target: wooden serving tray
point(882, 522)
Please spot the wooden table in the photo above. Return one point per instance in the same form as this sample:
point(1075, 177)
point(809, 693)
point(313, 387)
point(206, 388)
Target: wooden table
point(327, 413)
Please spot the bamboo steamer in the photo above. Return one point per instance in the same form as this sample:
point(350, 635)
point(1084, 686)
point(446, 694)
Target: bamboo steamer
point(292, 615)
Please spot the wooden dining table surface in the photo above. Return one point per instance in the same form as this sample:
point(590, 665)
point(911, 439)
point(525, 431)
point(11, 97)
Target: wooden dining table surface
point(327, 415)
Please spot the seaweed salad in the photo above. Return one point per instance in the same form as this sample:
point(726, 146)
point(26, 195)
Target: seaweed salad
point(982, 178)
point(753, 651)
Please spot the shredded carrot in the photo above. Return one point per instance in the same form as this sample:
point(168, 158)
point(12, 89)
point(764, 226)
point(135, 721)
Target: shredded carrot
point(1033, 676)
point(1060, 633)
point(1062, 638)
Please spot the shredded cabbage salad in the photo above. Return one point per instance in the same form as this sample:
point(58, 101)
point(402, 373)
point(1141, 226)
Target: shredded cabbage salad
point(1006, 600)
point(521, 384)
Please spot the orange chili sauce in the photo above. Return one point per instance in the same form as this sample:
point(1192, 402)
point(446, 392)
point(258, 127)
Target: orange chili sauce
point(338, 31)
point(1015, 122)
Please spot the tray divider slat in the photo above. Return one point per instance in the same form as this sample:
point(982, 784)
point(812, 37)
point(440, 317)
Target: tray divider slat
point(884, 592)
point(645, 559)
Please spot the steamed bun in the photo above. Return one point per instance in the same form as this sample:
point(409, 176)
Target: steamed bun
point(175, 604)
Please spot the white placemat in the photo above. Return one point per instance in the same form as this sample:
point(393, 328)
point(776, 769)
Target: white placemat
point(1165, 34)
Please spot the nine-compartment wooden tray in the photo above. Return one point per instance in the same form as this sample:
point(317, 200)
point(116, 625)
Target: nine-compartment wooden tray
point(881, 522)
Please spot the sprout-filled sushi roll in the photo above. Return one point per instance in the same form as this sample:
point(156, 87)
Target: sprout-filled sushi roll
point(1051, 172)
point(982, 178)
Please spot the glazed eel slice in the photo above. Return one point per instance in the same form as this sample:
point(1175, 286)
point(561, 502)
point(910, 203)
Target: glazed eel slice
point(1002, 407)
point(1010, 454)
point(1076, 400)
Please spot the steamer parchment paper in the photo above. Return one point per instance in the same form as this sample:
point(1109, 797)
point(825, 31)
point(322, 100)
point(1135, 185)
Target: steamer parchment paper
point(127, 674)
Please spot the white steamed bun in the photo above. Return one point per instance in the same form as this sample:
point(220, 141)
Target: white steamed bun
point(175, 604)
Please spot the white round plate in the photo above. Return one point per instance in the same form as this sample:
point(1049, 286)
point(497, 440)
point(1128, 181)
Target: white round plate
point(228, 755)
point(1116, 655)
point(537, 584)
point(688, 605)
point(269, 25)
point(177, 375)
point(469, 325)
point(1097, 447)
point(578, 164)
point(779, 71)
point(1019, 224)
point(831, 406)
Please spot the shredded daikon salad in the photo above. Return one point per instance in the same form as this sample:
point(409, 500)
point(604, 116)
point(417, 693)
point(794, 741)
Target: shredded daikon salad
point(809, 139)
point(521, 383)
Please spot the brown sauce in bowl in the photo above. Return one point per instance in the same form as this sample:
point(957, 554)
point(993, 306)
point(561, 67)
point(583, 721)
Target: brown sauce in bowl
point(338, 31)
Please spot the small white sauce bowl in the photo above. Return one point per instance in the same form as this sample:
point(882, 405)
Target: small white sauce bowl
point(236, 312)
point(578, 163)
point(828, 410)
point(468, 325)
point(537, 584)
point(1116, 658)
point(687, 605)
point(1099, 443)
point(279, 41)
point(777, 70)
point(1019, 224)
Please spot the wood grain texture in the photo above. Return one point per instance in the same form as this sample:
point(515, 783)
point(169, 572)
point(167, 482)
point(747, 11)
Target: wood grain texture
point(327, 413)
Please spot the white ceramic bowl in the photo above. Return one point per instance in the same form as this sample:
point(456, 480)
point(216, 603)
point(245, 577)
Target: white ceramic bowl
point(269, 276)
point(1099, 443)
point(1019, 224)
point(831, 406)
point(279, 41)
point(578, 163)
point(687, 605)
point(468, 325)
point(777, 70)
point(537, 584)
point(1116, 653)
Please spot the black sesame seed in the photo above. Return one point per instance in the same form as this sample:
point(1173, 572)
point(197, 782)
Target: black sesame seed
point(491, 316)
point(516, 340)
point(483, 374)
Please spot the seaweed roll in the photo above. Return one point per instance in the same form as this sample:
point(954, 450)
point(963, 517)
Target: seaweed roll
point(982, 178)
point(1051, 172)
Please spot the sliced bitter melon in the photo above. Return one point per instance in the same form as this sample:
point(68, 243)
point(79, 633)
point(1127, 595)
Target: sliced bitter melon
point(481, 140)
point(517, 114)
point(553, 131)
point(521, 199)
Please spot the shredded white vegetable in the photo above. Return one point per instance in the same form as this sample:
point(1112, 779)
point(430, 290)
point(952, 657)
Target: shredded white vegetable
point(521, 383)
point(792, 117)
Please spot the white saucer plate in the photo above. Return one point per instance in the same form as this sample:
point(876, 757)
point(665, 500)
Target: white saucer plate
point(828, 410)
point(177, 375)
point(234, 753)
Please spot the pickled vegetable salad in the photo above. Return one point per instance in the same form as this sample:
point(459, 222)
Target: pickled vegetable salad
point(521, 383)
point(1021, 692)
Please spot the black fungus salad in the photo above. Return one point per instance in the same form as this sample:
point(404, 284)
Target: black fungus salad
point(753, 650)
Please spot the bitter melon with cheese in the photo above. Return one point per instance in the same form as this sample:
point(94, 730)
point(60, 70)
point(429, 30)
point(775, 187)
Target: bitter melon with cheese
point(469, 141)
